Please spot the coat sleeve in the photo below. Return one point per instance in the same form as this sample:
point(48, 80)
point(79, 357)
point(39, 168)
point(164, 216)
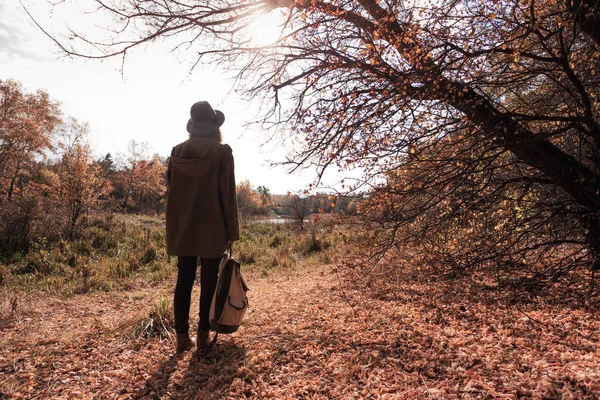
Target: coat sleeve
point(170, 166)
point(228, 195)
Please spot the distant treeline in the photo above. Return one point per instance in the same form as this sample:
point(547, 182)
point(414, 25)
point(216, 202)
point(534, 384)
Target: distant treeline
point(260, 202)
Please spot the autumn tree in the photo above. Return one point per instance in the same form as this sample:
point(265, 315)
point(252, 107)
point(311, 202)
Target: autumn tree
point(470, 111)
point(140, 179)
point(150, 191)
point(27, 122)
point(248, 200)
point(80, 180)
point(265, 199)
point(131, 171)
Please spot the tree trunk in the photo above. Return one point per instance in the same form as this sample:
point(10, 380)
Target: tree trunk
point(593, 240)
point(580, 182)
point(11, 187)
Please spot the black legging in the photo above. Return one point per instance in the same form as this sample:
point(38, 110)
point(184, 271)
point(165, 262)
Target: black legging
point(186, 274)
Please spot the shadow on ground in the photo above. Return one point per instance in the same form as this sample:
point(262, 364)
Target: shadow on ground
point(196, 375)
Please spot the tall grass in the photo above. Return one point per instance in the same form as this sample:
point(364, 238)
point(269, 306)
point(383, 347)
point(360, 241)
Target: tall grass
point(283, 248)
point(158, 323)
point(115, 252)
point(112, 252)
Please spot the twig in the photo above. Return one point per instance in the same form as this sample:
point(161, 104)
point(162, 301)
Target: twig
point(344, 292)
point(424, 382)
point(143, 377)
point(587, 337)
point(530, 317)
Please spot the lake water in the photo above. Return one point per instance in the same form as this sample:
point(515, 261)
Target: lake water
point(276, 220)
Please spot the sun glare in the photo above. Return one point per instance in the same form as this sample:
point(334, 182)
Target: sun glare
point(265, 30)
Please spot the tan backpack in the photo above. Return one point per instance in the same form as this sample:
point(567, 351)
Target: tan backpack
point(230, 302)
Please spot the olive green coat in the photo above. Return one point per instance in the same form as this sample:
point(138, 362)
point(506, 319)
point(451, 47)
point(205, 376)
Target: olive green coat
point(202, 212)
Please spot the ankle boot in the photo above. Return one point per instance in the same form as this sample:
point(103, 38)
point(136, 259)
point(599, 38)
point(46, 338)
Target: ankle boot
point(203, 340)
point(183, 342)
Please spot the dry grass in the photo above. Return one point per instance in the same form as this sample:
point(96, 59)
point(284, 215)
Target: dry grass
point(113, 253)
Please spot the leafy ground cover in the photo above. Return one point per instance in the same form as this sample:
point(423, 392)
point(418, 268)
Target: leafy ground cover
point(309, 335)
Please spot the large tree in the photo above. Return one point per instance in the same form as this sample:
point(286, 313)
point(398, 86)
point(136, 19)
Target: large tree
point(457, 110)
point(27, 123)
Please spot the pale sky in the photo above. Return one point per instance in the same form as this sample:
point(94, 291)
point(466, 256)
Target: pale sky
point(149, 103)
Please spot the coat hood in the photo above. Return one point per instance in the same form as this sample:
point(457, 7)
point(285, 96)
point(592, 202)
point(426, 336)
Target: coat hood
point(197, 166)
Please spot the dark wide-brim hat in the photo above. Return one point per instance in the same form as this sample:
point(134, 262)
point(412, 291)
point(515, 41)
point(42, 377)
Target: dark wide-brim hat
point(204, 120)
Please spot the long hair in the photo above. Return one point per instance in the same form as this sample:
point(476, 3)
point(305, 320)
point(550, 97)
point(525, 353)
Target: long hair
point(215, 135)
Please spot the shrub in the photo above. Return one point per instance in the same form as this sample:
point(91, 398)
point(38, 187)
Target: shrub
point(158, 323)
point(73, 260)
point(150, 254)
point(84, 246)
point(16, 220)
point(314, 245)
point(100, 239)
point(277, 240)
point(247, 253)
point(246, 236)
point(262, 228)
point(281, 259)
point(119, 269)
point(40, 261)
point(160, 273)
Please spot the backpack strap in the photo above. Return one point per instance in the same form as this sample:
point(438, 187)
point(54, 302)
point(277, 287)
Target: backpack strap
point(212, 342)
point(214, 339)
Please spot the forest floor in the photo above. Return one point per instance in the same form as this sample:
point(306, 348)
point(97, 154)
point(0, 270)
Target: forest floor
point(307, 336)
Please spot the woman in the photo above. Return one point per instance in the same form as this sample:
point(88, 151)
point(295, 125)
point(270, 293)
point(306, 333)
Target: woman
point(202, 216)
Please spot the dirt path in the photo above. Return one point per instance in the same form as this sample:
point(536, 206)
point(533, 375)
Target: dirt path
point(307, 337)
